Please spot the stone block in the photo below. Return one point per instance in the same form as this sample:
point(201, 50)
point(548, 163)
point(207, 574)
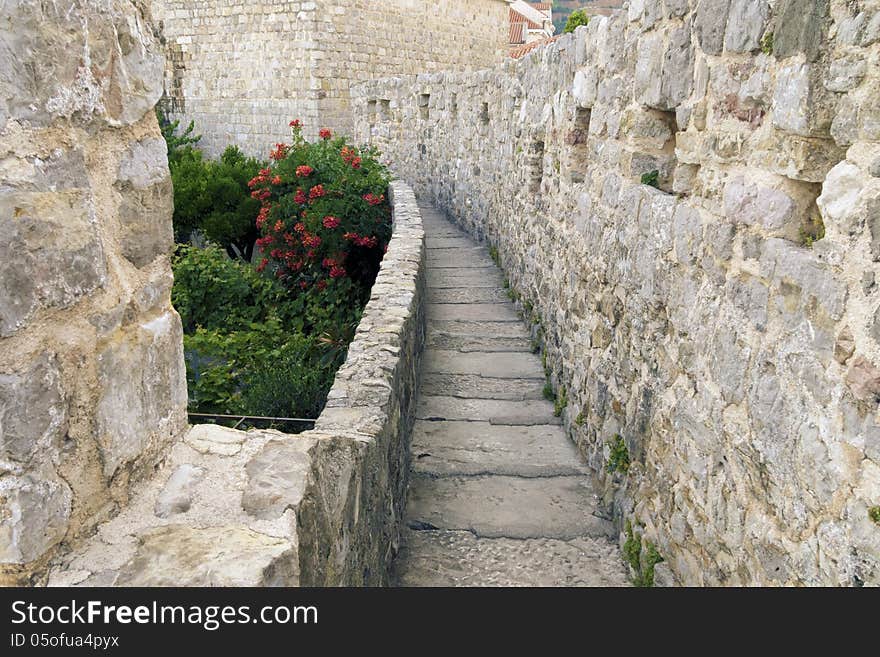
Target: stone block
point(33, 413)
point(34, 513)
point(51, 254)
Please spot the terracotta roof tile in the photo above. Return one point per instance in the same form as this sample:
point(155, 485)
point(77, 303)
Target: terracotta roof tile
point(521, 51)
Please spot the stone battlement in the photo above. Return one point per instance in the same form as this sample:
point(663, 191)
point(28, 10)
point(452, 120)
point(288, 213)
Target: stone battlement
point(721, 320)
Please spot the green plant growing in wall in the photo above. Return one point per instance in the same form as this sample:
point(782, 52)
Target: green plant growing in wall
point(561, 402)
point(642, 566)
point(493, 253)
point(767, 43)
point(618, 456)
point(651, 179)
point(549, 395)
point(580, 419)
point(874, 514)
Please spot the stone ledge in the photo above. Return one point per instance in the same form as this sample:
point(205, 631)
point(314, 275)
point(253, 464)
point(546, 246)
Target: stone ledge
point(263, 508)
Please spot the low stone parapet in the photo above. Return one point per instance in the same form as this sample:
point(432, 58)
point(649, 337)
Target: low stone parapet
point(264, 508)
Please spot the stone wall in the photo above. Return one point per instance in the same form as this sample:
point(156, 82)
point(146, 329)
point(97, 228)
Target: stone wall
point(724, 324)
point(242, 70)
point(263, 508)
point(92, 380)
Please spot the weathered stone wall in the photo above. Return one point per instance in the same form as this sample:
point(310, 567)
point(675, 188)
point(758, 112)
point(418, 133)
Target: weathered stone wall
point(92, 380)
point(263, 508)
point(242, 70)
point(709, 323)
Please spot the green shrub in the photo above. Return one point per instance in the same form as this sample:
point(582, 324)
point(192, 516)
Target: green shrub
point(652, 179)
point(576, 19)
point(324, 215)
point(618, 456)
point(213, 291)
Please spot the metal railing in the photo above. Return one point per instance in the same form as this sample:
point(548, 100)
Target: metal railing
point(244, 418)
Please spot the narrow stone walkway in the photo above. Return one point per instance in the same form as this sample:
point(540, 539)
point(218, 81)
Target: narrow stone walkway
point(499, 495)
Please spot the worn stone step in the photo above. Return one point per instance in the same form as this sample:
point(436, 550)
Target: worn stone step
point(500, 506)
point(466, 295)
point(495, 411)
point(473, 386)
point(500, 365)
point(458, 558)
point(476, 259)
point(437, 339)
point(471, 448)
point(485, 312)
point(457, 278)
point(448, 242)
point(479, 329)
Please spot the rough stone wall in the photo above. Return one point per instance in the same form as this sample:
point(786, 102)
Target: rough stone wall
point(263, 508)
point(708, 322)
point(242, 70)
point(92, 380)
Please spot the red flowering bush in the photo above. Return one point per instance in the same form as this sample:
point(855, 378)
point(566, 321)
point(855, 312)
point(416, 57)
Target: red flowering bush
point(324, 219)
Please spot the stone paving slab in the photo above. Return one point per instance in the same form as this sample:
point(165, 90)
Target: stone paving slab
point(457, 278)
point(486, 312)
point(458, 558)
point(499, 506)
point(500, 365)
point(473, 386)
point(479, 329)
point(466, 295)
point(518, 413)
point(437, 339)
point(448, 242)
point(472, 448)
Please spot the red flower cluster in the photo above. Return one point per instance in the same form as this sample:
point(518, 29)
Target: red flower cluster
point(304, 171)
point(276, 180)
point(279, 152)
point(369, 242)
point(337, 272)
point(350, 156)
point(331, 222)
point(374, 200)
point(300, 197)
point(316, 192)
point(324, 133)
point(296, 123)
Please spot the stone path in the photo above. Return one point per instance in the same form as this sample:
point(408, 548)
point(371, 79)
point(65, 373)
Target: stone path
point(499, 495)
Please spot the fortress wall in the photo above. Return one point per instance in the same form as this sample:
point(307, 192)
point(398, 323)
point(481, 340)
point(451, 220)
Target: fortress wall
point(242, 70)
point(725, 325)
point(92, 380)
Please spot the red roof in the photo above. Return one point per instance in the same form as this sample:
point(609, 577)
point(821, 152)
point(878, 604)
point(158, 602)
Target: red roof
point(522, 50)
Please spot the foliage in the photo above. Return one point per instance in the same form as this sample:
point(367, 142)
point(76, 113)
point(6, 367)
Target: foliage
point(767, 43)
point(263, 370)
point(576, 19)
point(179, 145)
point(652, 178)
point(548, 393)
point(324, 217)
point(874, 514)
point(561, 402)
point(618, 456)
point(251, 348)
point(211, 195)
point(642, 558)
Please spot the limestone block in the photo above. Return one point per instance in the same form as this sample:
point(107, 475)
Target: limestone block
point(147, 204)
point(800, 28)
point(745, 25)
point(51, 254)
point(33, 413)
point(34, 512)
point(177, 495)
point(142, 390)
point(178, 555)
point(710, 20)
point(277, 477)
point(81, 62)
